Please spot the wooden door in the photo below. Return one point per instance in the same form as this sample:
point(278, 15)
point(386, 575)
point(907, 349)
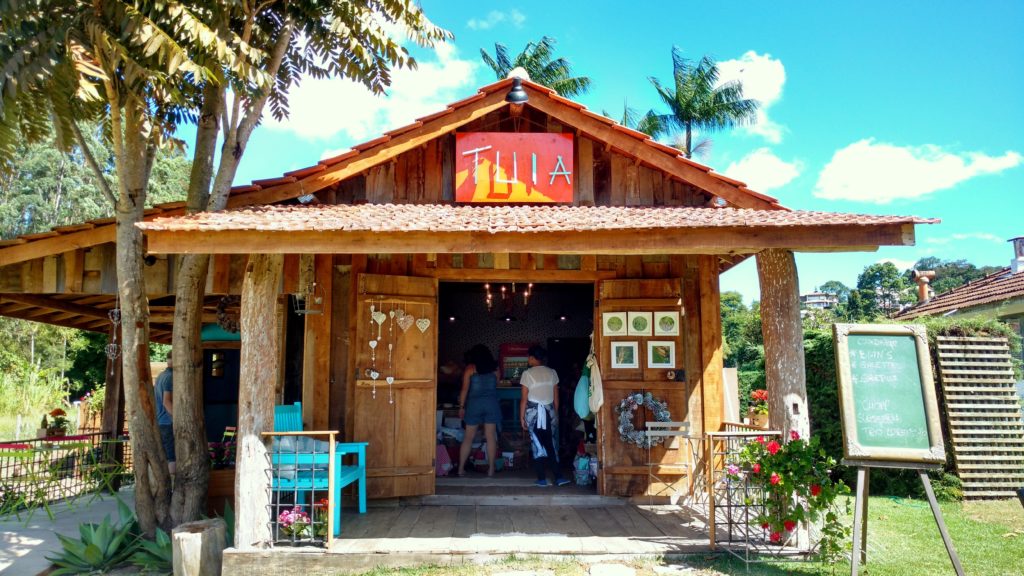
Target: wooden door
point(397, 419)
point(624, 469)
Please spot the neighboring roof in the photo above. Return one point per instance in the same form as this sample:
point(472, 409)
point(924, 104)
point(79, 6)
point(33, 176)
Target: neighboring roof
point(381, 149)
point(495, 219)
point(996, 287)
point(404, 228)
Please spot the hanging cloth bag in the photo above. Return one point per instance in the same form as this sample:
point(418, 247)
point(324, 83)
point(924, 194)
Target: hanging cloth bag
point(596, 388)
point(581, 400)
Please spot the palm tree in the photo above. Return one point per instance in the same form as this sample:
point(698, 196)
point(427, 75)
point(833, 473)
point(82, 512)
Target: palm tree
point(698, 101)
point(649, 123)
point(536, 60)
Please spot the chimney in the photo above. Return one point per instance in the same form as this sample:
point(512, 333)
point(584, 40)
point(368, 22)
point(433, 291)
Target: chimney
point(1017, 264)
point(923, 279)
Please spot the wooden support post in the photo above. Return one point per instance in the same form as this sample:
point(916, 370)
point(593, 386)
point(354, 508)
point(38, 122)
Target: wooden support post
point(860, 521)
point(937, 514)
point(783, 342)
point(257, 377)
point(198, 547)
point(710, 343)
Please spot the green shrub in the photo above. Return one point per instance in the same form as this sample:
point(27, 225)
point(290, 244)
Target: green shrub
point(154, 556)
point(100, 547)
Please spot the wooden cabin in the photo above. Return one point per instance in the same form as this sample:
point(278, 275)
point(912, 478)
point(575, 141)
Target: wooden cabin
point(541, 197)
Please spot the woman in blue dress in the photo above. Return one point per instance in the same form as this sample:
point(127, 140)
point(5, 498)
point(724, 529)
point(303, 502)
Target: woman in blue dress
point(478, 404)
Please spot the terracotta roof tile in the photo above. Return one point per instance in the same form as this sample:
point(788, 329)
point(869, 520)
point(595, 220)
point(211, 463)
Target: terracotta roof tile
point(339, 158)
point(996, 287)
point(494, 219)
point(371, 143)
point(243, 188)
point(307, 171)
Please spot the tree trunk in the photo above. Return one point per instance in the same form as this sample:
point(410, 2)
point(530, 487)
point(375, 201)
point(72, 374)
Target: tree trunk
point(192, 469)
point(151, 500)
point(257, 377)
point(783, 342)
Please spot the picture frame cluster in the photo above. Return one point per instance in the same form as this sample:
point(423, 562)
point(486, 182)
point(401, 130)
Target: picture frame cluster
point(660, 352)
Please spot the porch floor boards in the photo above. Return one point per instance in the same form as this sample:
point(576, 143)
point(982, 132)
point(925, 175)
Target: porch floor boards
point(626, 529)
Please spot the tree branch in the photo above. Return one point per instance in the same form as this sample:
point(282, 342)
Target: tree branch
point(93, 165)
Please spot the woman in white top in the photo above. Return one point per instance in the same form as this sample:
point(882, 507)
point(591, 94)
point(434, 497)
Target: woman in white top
point(538, 412)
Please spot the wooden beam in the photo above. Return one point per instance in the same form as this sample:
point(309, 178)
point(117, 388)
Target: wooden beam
point(710, 344)
point(782, 330)
point(57, 244)
point(638, 149)
point(513, 275)
point(710, 240)
point(392, 148)
point(258, 375)
point(54, 304)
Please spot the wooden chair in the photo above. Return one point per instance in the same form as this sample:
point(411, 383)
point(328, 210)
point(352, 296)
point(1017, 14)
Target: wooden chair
point(311, 468)
point(288, 417)
point(657, 471)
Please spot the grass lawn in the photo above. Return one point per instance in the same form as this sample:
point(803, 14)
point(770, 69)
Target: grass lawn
point(902, 540)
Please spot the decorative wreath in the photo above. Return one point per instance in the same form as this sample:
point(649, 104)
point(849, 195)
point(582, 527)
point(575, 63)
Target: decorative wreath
point(627, 408)
point(226, 319)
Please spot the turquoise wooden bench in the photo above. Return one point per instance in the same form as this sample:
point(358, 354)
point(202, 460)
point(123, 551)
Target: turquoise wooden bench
point(302, 465)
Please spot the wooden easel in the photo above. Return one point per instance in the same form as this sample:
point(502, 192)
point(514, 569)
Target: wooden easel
point(860, 511)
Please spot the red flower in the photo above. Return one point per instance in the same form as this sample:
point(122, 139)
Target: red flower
point(789, 525)
point(57, 412)
point(776, 537)
point(775, 479)
point(759, 395)
point(794, 435)
point(773, 447)
point(765, 525)
point(815, 489)
point(760, 439)
point(757, 468)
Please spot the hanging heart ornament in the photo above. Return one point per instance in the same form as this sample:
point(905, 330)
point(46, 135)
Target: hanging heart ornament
point(405, 322)
point(373, 343)
point(379, 317)
point(374, 374)
point(390, 380)
point(423, 324)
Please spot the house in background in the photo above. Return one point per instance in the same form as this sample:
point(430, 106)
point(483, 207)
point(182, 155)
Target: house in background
point(818, 301)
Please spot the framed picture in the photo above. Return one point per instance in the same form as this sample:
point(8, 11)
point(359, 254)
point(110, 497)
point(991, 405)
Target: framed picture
point(613, 323)
point(666, 323)
point(625, 355)
point(661, 354)
point(639, 323)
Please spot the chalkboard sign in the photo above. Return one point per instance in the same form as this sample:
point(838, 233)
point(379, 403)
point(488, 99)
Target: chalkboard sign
point(886, 394)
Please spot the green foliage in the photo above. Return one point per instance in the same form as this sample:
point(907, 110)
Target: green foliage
point(154, 556)
point(883, 289)
point(100, 547)
point(795, 479)
point(697, 101)
point(950, 274)
point(537, 59)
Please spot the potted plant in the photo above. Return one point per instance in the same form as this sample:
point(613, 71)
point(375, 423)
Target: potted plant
point(293, 523)
point(58, 423)
point(758, 411)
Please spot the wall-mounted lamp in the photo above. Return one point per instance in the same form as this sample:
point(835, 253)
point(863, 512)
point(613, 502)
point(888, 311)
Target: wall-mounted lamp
point(516, 97)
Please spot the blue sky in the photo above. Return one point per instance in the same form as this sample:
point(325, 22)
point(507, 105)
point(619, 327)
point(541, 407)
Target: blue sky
point(868, 107)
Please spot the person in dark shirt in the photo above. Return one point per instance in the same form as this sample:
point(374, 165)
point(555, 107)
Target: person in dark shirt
point(164, 389)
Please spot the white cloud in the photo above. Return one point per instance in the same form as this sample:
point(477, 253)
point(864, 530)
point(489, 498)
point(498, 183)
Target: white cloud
point(763, 171)
point(899, 263)
point(867, 171)
point(986, 236)
point(327, 107)
point(763, 78)
point(496, 17)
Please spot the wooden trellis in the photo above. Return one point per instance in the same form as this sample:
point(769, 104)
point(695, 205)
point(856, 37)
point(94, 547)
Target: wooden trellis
point(984, 415)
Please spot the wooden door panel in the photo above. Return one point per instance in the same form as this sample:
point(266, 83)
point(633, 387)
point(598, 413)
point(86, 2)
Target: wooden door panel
point(624, 465)
point(398, 420)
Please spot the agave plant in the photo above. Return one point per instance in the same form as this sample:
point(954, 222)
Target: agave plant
point(154, 556)
point(100, 547)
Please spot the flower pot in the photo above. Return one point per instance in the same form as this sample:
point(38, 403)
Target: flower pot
point(757, 419)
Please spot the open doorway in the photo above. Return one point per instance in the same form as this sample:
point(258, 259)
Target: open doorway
point(508, 318)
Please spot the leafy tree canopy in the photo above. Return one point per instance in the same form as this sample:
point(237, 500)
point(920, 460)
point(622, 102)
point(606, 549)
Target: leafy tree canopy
point(537, 58)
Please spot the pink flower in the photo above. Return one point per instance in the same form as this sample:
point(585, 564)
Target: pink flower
point(733, 470)
point(775, 479)
point(773, 447)
point(789, 525)
point(794, 435)
point(815, 489)
point(757, 468)
point(760, 439)
point(776, 537)
point(765, 525)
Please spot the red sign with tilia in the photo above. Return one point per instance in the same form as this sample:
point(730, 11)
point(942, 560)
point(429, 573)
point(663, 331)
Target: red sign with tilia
point(532, 167)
